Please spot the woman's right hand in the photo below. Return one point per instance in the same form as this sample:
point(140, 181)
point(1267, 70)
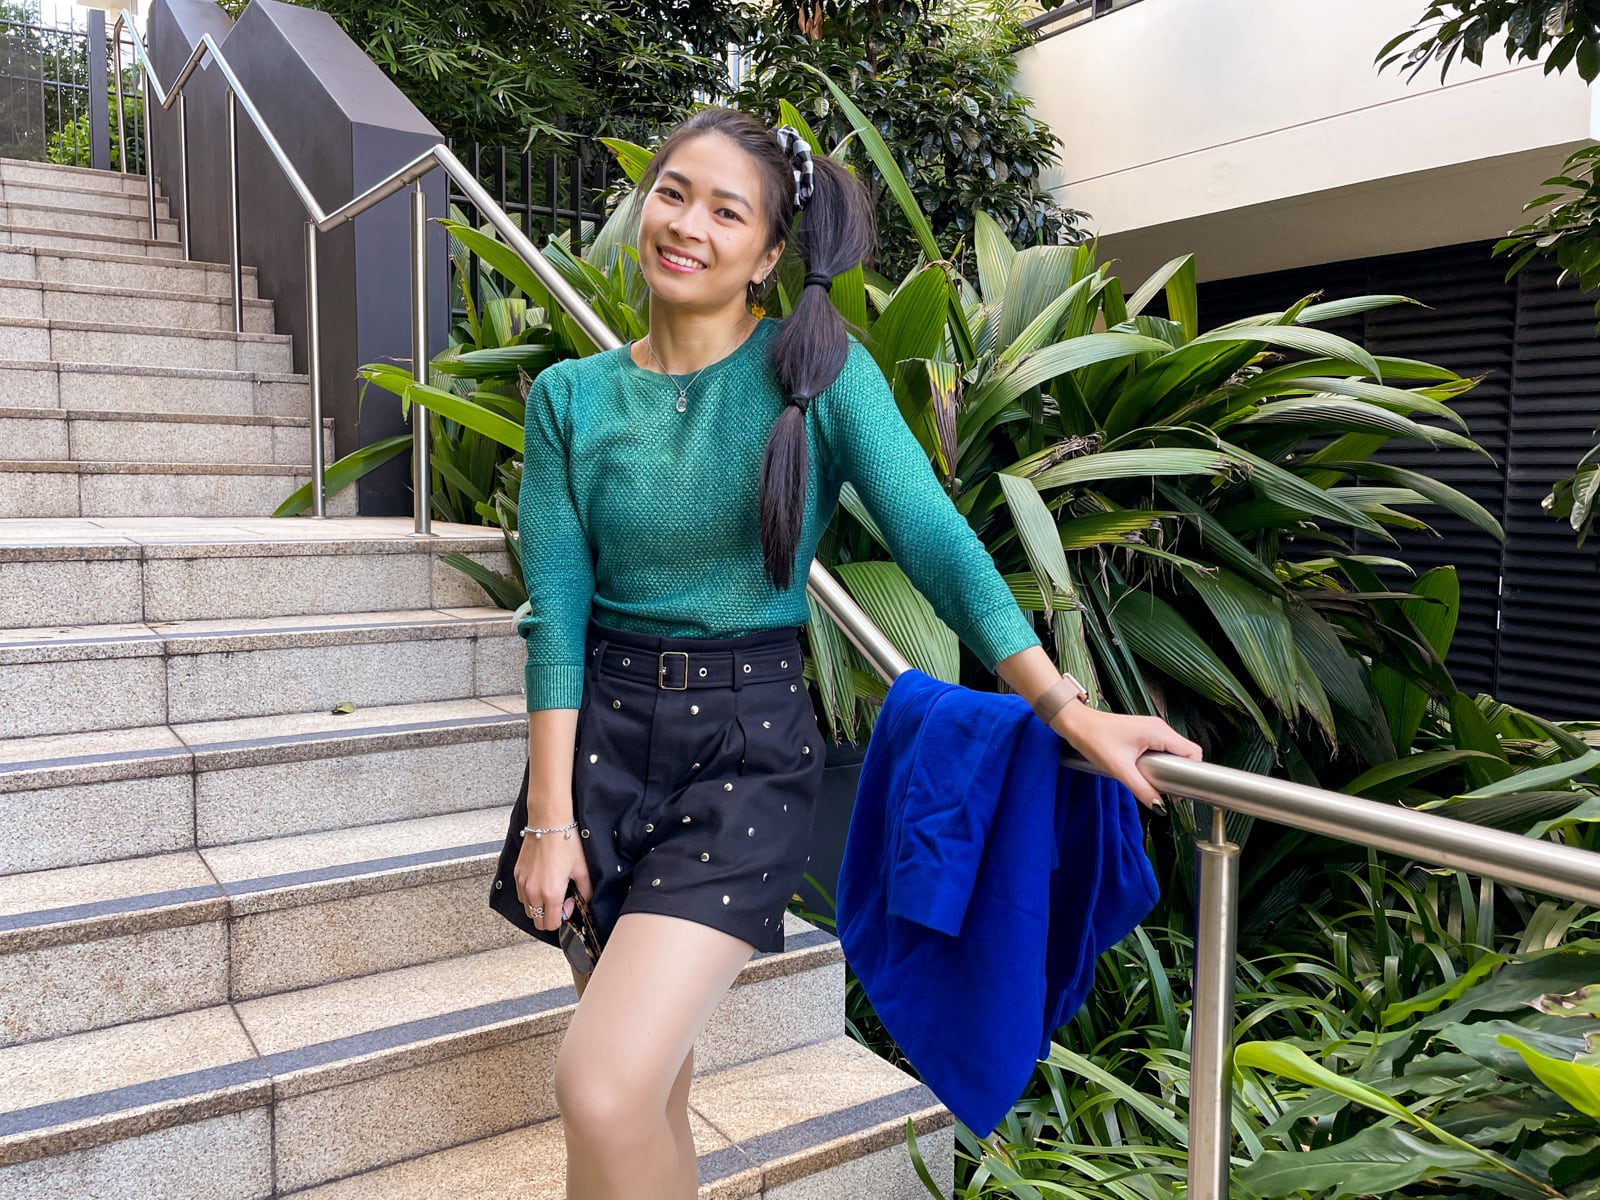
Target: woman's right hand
point(544, 867)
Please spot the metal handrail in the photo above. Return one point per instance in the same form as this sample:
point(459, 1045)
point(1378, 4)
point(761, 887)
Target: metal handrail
point(318, 220)
point(1424, 837)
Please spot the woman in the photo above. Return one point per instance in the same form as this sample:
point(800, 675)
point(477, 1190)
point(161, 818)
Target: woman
point(673, 494)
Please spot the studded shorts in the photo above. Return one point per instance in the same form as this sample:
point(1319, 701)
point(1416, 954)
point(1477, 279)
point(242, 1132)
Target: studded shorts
point(696, 802)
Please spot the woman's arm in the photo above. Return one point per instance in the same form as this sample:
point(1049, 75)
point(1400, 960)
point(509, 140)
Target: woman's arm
point(552, 734)
point(1111, 741)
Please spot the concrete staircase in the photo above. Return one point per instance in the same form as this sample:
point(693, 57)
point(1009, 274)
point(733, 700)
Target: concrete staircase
point(245, 949)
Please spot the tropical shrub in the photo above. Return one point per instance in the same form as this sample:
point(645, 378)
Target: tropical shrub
point(509, 74)
point(1391, 1043)
point(936, 82)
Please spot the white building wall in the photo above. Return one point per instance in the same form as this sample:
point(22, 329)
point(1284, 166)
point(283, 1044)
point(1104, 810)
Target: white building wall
point(1260, 135)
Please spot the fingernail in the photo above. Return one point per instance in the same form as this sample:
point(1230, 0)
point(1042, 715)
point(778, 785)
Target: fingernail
point(566, 910)
point(1159, 808)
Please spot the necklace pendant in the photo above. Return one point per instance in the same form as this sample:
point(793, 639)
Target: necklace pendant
point(683, 401)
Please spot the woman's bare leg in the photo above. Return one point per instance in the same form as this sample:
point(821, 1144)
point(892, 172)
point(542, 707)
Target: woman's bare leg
point(622, 1076)
point(677, 1109)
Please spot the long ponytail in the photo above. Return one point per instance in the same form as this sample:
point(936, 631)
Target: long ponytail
point(835, 234)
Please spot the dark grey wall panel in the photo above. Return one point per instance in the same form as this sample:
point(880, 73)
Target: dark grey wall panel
point(345, 126)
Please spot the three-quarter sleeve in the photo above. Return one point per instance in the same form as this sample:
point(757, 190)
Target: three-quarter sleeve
point(871, 448)
point(557, 564)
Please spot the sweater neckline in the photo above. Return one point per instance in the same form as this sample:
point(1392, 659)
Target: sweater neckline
point(756, 340)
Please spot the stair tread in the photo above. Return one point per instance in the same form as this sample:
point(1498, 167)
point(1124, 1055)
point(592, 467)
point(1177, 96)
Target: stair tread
point(756, 1126)
point(18, 235)
point(173, 418)
point(100, 899)
point(128, 259)
point(177, 331)
point(243, 633)
point(307, 1039)
point(68, 170)
point(66, 538)
point(55, 466)
point(149, 370)
point(94, 289)
point(245, 740)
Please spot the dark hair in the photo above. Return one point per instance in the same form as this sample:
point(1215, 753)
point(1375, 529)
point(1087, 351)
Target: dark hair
point(835, 234)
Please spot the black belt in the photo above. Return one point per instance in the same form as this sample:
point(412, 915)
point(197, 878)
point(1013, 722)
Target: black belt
point(679, 670)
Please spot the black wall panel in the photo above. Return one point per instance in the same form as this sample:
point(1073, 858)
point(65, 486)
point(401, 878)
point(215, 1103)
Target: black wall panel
point(1528, 631)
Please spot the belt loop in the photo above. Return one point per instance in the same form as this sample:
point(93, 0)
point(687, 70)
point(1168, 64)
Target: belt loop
point(599, 655)
point(735, 668)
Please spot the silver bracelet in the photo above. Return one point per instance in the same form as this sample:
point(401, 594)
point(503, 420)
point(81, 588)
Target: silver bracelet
point(539, 833)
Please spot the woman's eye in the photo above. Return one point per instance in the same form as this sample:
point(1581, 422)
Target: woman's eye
point(728, 212)
point(664, 190)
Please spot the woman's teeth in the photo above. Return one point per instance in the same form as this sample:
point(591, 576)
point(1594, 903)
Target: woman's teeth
point(681, 262)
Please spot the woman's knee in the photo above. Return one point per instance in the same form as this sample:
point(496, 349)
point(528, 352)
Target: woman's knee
point(604, 1100)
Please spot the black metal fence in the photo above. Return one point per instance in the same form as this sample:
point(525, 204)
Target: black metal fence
point(56, 103)
point(556, 194)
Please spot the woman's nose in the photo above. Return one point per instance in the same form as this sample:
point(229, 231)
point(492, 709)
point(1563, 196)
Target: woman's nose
point(686, 224)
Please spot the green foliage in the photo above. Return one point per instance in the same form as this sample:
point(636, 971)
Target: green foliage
point(513, 74)
point(1448, 29)
point(937, 86)
point(1391, 1043)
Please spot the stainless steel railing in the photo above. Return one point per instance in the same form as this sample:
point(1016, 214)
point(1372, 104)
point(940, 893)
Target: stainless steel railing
point(319, 221)
point(1526, 862)
point(1423, 837)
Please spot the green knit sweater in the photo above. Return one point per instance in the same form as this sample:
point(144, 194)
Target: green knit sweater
point(649, 516)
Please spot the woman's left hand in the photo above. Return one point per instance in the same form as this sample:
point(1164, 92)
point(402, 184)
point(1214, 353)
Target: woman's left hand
point(1113, 742)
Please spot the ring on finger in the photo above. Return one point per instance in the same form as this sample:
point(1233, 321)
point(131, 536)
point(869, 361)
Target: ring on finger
point(536, 909)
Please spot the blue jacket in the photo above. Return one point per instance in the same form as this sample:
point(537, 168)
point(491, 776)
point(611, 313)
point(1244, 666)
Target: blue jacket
point(981, 880)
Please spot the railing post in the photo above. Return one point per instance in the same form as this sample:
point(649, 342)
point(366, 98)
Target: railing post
point(183, 172)
point(319, 504)
point(1211, 1049)
point(122, 133)
point(149, 160)
point(421, 487)
point(233, 221)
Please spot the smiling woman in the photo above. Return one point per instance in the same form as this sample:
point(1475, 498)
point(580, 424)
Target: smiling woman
point(673, 492)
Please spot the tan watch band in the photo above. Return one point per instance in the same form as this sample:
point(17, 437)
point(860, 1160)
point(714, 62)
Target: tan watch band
point(1058, 697)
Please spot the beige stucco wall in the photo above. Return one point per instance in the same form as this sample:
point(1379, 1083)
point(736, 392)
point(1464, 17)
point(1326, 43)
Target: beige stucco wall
point(1259, 134)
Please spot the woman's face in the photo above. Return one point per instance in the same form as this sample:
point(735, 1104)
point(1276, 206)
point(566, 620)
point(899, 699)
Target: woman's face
point(703, 228)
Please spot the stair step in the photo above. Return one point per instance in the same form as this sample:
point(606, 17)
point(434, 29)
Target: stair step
point(38, 490)
point(91, 946)
point(139, 345)
point(70, 196)
point(304, 1087)
point(45, 434)
point(66, 572)
point(56, 219)
point(93, 243)
point(96, 304)
point(129, 272)
point(168, 788)
point(820, 1121)
point(23, 170)
point(77, 680)
point(153, 389)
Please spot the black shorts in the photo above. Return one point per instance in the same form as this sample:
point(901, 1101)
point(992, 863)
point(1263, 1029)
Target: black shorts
point(696, 771)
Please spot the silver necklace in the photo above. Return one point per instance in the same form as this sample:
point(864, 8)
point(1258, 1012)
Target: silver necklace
point(683, 388)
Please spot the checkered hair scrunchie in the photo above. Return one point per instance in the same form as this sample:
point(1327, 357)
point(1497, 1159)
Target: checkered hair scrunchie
point(798, 152)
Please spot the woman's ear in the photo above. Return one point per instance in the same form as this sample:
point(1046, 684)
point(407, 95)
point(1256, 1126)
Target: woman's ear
point(769, 263)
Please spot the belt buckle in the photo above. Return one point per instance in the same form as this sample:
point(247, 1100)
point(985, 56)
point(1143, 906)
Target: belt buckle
point(661, 670)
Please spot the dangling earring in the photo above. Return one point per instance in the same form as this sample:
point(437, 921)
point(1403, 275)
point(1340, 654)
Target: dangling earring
point(753, 299)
